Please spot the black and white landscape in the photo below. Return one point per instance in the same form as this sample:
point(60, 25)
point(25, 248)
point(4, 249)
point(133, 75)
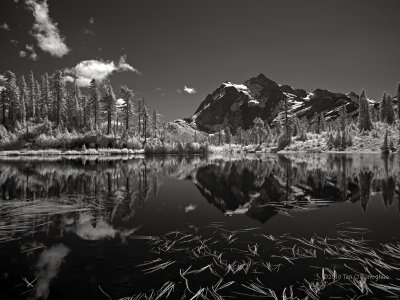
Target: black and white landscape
point(199, 149)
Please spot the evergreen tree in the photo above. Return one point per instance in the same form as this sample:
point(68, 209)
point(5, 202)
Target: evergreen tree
point(85, 106)
point(398, 100)
point(139, 113)
point(322, 123)
point(145, 118)
point(59, 97)
point(259, 130)
point(228, 136)
point(343, 118)
point(364, 119)
point(11, 90)
point(24, 96)
point(239, 136)
point(4, 104)
point(382, 108)
point(155, 122)
point(77, 110)
point(127, 95)
point(33, 95)
point(110, 106)
point(390, 116)
point(95, 102)
point(303, 129)
point(43, 106)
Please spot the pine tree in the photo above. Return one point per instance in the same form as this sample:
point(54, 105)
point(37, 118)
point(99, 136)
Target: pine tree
point(110, 106)
point(382, 108)
point(155, 122)
point(24, 96)
point(343, 118)
point(127, 95)
point(43, 106)
point(239, 136)
point(139, 114)
point(85, 106)
point(398, 100)
point(145, 118)
point(95, 102)
point(322, 123)
point(364, 119)
point(4, 104)
point(11, 89)
point(77, 110)
point(390, 116)
point(228, 136)
point(303, 129)
point(59, 97)
point(32, 97)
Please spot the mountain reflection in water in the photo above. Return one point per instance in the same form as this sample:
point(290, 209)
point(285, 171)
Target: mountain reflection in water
point(52, 207)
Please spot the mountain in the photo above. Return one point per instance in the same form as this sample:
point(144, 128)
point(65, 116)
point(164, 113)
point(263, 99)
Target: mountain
point(237, 105)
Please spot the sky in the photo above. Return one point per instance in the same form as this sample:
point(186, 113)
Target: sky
point(173, 53)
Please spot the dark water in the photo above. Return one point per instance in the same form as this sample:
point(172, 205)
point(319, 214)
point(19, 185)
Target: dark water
point(315, 226)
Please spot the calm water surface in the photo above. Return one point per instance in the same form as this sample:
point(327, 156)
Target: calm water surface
point(244, 227)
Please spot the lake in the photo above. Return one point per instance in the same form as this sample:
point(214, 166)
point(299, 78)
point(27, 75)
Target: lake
point(272, 226)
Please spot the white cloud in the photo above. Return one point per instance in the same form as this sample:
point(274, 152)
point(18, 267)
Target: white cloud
point(88, 31)
point(30, 52)
point(5, 26)
point(45, 30)
point(189, 90)
point(100, 70)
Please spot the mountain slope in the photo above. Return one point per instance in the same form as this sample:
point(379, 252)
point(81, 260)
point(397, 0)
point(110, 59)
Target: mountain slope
point(237, 105)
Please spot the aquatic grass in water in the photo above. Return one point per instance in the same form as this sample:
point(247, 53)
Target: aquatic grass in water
point(318, 266)
point(19, 218)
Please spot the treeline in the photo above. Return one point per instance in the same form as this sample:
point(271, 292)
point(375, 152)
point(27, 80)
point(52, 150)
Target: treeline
point(288, 127)
point(52, 100)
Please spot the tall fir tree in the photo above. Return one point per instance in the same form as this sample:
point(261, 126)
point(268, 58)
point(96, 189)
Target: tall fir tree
point(382, 108)
point(24, 96)
point(390, 115)
point(322, 123)
point(76, 107)
point(32, 96)
point(127, 95)
point(95, 102)
point(364, 118)
point(4, 105)
point(155, 122)
point(59, 97)
point(398, 100)
point(110, 106)
point(12, 97)
point(43, 106)
point(228, 136)
point(343, 118)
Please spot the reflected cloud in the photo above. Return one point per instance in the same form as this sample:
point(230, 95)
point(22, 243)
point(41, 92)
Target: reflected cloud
point(190, 207)
point(48, 266)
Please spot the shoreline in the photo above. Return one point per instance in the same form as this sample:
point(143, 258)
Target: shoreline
point(128, 152)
